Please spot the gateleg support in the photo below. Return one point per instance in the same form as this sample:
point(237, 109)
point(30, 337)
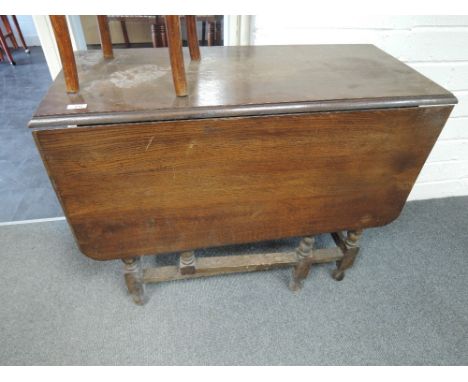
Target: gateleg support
point(350, 248)
point(304, 254)
point(134, 279)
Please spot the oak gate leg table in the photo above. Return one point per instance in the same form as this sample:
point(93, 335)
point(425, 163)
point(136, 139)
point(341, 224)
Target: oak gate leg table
point(269, 142)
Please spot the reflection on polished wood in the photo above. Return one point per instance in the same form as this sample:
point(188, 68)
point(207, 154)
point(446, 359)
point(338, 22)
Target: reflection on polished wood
point(233, 81)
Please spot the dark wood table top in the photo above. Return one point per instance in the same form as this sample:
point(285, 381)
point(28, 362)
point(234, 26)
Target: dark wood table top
point(137, 86)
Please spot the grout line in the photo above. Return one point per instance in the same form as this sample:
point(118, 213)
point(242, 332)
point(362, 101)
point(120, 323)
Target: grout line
point(456, 180)
point(18, 222)
point(453, 140)
point(437, 62)
point(442, 161)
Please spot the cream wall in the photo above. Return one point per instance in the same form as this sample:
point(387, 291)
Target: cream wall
point(138, 32)
point(27, 27)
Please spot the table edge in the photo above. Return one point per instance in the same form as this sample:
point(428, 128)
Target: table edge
point(72, 120)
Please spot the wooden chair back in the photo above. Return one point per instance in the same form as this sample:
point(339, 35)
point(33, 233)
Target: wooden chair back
point(174, 38)
point(11, 36)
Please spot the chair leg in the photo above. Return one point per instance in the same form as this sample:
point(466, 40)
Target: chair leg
point(192, 37)
point(211, 33)
point(154, 35)
point(6, 49)
point(20, 34)
point(105, 36)
point(203, 33)
point(351, 250)
point(9, 32)
point(218, 32)
point(302, 268)
point(134, 280)
point(161, 33)
point(176, 56)
point(125, 33)
point(62, 37)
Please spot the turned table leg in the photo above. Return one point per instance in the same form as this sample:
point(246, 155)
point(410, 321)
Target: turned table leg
point(134, 279)
point(187, 263)
point(350, 251)
point(301, 269)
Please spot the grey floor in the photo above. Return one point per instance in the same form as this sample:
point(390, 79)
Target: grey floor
point(25, 190)
point(404, 303)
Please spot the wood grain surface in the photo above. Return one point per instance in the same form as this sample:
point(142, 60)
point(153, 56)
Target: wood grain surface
point(142, 189)
point(232, 81)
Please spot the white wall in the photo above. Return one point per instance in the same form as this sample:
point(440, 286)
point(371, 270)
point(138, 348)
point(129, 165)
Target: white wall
point(29, 30)
point(436, 46)
point(47, 40)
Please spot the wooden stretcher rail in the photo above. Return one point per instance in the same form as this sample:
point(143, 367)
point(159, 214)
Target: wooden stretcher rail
point(190, 267)
point(212, 266)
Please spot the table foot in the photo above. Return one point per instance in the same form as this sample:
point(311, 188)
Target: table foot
point(301, 270)
point(134, 280)
point(338, 275)
point(350, 249)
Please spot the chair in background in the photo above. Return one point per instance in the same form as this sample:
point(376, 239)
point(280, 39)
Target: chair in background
point(11, 37)
point(214, 30)
point(210, 36)
point(4, 47)
point(158, 28)
point(174, 39)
